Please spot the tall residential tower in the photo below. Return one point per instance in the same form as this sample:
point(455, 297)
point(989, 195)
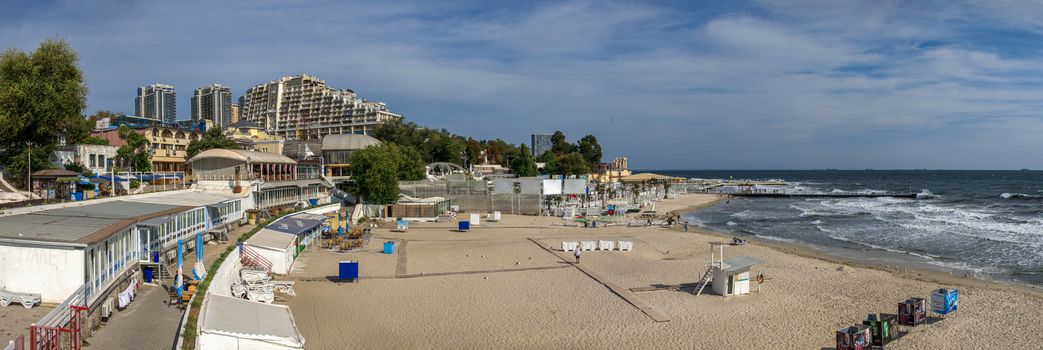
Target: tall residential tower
point(213, 103)
point(541, 143)
point(156, 101)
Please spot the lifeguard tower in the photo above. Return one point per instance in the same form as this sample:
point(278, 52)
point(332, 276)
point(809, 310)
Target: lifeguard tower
point(729, 277)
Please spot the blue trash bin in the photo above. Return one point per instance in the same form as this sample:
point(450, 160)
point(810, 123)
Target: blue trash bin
point(155, 257)
point(464, 225)
point(148, 274)
point(389, 247)
point(313, 202)
point(349, 270)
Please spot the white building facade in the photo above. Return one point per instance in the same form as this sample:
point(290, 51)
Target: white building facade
point(303, 107)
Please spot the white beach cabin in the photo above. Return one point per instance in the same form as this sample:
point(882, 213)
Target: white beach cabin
point(733, 276)
point(277, 247)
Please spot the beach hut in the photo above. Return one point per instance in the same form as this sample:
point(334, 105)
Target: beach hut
point(733, 276)
point(233, 323)
point(856, 337)
point(912, 311)
point(277, 247)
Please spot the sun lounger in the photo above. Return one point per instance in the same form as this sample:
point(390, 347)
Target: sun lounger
point(285, 287)
point(738, 241)
point(625, 246)
point(588, 245)
point(26, 299)
point(606, 245)
point(569, 246)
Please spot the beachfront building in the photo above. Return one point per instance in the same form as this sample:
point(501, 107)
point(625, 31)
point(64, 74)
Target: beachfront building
point(96, 158)
point(303, 107)
point(214, 103)
point(541, 143)
point(55, 183)
point(235, 113)
point(252, 137)
point(167, 145)
point(611, 172)
point(271, 179)
point(156, 101)
point(90, 251)
point(337, 150)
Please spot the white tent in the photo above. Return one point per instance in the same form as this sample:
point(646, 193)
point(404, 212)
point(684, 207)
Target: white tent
point(277, 247)
point(232, 323)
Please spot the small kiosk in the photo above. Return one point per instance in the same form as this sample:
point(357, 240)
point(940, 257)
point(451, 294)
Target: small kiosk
point(733, 277)
point(728, 277)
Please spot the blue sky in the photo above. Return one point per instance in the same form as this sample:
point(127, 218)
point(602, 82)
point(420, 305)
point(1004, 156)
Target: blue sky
point(671, 84)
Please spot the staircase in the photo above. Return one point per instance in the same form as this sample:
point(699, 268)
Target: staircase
point(704, 281)
point(164, 272)
point(250, 258)
point(716, 261)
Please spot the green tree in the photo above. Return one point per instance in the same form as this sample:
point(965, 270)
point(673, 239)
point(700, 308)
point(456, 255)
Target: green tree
point(449, 149)
point(410, 166)
point(135, 153)
point(213, 138)
point(92, 140)
point(474, 151)
point(560, 145)
point(590, 149)
point(374, 173)
point(42, 96)
point(570, 164)
point(547, 157)
point(522, 164)
point(79, 168)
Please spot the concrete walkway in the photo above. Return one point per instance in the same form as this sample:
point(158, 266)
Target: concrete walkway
point(147, 323)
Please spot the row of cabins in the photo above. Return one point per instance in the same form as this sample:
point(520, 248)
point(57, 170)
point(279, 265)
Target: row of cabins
point(96, 246)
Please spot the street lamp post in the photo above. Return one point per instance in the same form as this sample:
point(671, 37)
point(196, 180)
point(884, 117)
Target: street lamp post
point(30, 174)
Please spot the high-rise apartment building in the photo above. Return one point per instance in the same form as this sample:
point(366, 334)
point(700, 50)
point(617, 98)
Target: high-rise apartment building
point(235, 113)
point(304, 108)
point(541, 143)
point(156, 101)
point(213, 103)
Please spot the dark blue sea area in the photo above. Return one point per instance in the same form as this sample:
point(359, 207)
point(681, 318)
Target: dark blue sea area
point(987, 223)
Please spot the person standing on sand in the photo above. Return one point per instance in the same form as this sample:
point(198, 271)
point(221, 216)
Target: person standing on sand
point(577, 254)
point(686, 226)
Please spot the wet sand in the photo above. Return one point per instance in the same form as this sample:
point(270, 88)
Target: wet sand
point(496, 287)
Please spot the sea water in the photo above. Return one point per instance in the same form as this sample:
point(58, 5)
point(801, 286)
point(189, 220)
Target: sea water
point(986, 223)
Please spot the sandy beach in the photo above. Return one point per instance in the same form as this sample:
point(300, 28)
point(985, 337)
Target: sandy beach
point(498, 287)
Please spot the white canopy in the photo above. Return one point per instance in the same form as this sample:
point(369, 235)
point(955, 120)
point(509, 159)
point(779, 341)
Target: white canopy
point(233, 323)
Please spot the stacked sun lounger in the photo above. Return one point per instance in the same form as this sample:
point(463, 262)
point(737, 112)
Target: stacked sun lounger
point(255, 285)
point(626, 246)
point(26, 299)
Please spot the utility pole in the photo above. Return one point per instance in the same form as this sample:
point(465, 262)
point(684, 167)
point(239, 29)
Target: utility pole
point(30, 174)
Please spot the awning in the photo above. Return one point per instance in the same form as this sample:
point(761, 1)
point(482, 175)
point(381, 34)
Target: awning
point(244, 319)
point(297, 224)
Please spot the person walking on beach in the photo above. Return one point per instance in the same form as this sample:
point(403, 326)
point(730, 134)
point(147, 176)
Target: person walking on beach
point(577, 254)
point(686, 226)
